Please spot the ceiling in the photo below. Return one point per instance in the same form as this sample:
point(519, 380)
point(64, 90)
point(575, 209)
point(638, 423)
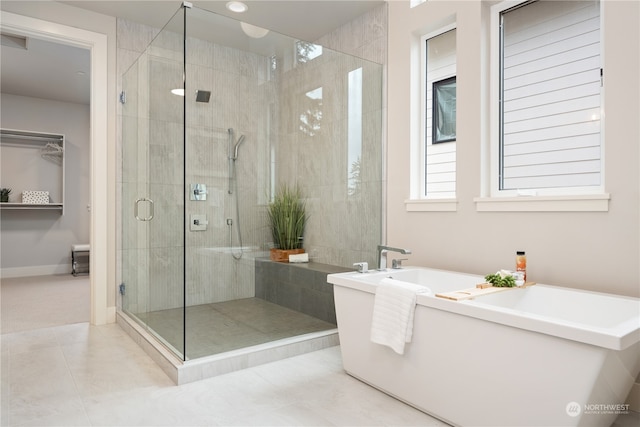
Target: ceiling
point(302, 19)
point(46, 70)
point(53, 71)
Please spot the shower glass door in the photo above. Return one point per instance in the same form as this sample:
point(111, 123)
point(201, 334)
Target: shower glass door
point(216, 117)
point(153, 188)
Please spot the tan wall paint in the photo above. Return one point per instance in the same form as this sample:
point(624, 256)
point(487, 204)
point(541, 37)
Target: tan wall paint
point(598, 251)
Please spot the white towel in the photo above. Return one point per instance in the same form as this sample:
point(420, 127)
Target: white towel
point(393, 310)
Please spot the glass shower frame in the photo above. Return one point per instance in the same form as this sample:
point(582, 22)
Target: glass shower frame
point(153, 166)
point(310, 115)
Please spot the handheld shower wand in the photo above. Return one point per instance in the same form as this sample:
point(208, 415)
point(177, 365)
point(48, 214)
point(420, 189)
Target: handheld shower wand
point(236, 146)
point(233, 156)
point(233, 148)
point(233, 188)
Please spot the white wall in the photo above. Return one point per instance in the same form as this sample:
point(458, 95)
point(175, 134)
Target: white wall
point(43, 238)
point(590, 250)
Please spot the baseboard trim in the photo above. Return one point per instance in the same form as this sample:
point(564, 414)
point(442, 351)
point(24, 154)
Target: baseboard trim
point(36, 270)
point(111, 314)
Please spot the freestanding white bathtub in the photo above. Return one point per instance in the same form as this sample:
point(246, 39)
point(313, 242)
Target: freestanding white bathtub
point(535, 356)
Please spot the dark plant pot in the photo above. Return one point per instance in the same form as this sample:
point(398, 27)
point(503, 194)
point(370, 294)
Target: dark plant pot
point(4, 199)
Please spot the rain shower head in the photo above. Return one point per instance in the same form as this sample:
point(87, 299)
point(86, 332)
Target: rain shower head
point(203, 95)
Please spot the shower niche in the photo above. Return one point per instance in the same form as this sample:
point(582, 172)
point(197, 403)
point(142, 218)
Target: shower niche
point(213, 121)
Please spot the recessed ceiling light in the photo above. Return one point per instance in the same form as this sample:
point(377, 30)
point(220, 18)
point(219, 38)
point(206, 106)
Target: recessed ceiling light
point(237, 6)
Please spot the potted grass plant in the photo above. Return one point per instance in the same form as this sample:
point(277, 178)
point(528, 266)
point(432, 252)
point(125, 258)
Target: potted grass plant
point(4, 194)
point(287, 218)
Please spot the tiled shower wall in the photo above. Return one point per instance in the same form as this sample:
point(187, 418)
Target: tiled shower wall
point(239, 92)
point(153, 116)
point(344, 222)
point(342, 228)
point(357, 221)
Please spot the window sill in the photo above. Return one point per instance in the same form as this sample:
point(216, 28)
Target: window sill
point(431, 205)
point(583, 203)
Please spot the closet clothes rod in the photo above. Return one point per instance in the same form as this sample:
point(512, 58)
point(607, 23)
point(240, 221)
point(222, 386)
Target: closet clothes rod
point(55, 138)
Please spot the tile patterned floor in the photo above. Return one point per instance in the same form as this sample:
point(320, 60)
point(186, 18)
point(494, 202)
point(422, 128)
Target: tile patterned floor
point(82, 375)
point(225, 326)
point(57, 370)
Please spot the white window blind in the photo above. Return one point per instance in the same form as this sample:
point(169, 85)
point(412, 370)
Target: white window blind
point(550, 91)
point(440, 159)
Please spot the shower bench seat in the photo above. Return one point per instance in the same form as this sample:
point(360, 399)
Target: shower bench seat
point(301, 286)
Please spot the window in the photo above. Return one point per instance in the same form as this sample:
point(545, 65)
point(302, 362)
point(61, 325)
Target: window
point(444, 111)
point(439, 115)
point(311, 116)
point(306, 51)
point(550, 78)
point(354, 132)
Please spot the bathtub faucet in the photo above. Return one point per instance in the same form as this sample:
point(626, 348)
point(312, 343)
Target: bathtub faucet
point(382, 248)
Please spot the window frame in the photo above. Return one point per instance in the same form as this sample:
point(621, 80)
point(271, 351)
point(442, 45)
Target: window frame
point(417, 201)
point(593, 198)
point(420, 193)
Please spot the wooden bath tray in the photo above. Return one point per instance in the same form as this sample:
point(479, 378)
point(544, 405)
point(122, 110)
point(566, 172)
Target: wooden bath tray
point(479, 290)
point(470, 293)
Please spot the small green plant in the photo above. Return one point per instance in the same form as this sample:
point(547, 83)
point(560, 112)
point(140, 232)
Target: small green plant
point(500, 281)
point(287, 217)
point(4, 194)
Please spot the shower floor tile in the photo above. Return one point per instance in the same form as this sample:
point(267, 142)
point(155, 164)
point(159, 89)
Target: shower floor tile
point(231, 325)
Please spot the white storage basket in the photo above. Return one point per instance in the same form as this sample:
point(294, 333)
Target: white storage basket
point(35, 197)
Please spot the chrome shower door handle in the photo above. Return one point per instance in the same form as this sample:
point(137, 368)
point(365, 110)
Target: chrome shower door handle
point(136, 209)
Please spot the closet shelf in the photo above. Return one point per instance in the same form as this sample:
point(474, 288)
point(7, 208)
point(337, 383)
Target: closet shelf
point(17, 206)
point(32, 161)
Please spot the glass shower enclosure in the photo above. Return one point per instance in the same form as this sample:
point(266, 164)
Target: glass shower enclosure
point(216, 115)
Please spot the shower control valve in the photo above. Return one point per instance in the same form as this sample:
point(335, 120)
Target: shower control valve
point(198, 192)
point(198, 222)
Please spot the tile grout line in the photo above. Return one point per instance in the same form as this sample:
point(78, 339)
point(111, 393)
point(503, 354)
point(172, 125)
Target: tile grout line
point(73, 377)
